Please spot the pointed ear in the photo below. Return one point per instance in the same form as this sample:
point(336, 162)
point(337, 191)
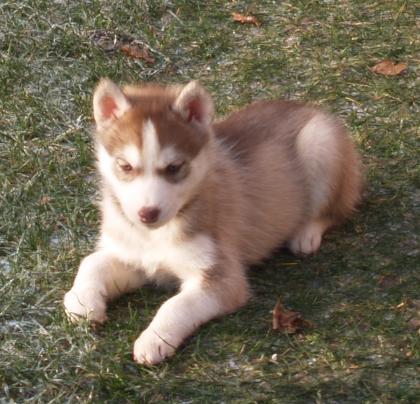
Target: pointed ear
point(109, 103)
point(195, 103)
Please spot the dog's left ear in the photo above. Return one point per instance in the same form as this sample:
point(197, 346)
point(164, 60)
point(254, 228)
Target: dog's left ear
point(194, 103)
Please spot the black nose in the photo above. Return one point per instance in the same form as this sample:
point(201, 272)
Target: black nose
point(149, 214)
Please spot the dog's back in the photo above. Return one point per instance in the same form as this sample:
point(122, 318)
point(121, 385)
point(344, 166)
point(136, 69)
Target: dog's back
point(297, 166)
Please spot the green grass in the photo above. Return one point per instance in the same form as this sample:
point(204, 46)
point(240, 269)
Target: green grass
point(362, 349)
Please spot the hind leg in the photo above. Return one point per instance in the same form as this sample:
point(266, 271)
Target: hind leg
point(308, 239)
point(319, 145)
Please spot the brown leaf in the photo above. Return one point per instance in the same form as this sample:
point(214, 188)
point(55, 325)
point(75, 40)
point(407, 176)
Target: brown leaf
point(287, 321)
point(134, 51)
point(389, 68)
point(105, 40)
point(246, 19)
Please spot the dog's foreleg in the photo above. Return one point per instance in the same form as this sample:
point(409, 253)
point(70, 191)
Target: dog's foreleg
point(198, 301)
point(101, 277)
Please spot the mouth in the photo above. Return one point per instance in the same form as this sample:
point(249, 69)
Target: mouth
point(152, 226)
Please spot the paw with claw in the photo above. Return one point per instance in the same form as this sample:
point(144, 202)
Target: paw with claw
point(152, 347)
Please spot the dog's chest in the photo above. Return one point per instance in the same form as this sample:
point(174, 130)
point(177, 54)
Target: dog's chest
point(159, 251)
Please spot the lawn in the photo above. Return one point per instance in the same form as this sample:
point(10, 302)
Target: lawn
point(361, 290)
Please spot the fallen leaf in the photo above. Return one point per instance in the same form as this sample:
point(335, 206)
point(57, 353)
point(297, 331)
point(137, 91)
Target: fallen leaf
point(287, 321)
point(246, 19)
point(134, 51)
point(106, 40)
point(112, 42)
point(389, 281)
point(389, 68)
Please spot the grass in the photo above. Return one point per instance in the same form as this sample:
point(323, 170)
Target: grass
point(361, 290)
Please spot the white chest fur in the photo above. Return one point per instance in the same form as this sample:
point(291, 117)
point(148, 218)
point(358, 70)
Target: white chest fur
point(158, 249)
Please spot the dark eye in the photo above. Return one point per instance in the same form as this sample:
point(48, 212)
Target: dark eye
point(124, 166)
point(173, 168)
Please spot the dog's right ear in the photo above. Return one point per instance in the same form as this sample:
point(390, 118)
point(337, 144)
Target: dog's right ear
point(195, 103)
point(109, 103)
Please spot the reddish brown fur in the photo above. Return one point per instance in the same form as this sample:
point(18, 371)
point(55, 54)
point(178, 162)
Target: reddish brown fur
point(155, 103)
point(348, 191)
point(247, 136)
point(273, 173)
point(253, 125)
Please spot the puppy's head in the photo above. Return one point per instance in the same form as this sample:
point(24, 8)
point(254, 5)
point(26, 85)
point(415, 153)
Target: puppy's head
point(153, 147)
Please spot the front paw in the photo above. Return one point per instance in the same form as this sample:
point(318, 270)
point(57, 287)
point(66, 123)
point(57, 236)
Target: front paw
point(87, 305)
point(152, 347)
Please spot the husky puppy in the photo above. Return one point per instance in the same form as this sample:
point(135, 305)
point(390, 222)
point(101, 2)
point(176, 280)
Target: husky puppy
point(188, 200)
